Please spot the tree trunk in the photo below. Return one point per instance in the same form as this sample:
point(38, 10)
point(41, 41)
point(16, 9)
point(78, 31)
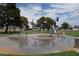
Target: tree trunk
point(14, 28)
point(6, 30)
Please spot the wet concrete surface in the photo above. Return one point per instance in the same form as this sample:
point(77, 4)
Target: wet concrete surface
point(38, 44)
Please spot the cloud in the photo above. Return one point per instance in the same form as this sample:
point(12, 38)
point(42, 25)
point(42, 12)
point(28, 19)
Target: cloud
point(67, 11)
point(35, 7)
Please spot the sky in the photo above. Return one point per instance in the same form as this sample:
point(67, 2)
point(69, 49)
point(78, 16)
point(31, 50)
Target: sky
point(68, 12)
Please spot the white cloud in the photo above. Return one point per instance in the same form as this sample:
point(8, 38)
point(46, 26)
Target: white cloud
point(30, 13)
point(32, 9)
point(65, 8)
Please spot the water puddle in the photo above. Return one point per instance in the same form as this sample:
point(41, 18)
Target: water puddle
point(39, 44)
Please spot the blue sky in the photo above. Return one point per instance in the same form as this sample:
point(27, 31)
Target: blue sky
point(68, 12)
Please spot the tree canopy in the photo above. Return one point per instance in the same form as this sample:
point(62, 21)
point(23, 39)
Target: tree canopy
point(65, 25)
point(45, 22)
point(9, 15)
point(24, 22)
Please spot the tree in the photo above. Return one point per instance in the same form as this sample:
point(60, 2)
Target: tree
point(65, 25)
point(76, 26)
point(24, 22)
point(50, 22)
point(10, 15)
point(45, 22)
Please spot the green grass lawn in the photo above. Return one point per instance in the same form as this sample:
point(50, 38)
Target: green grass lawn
point(28, 32)
point(2, 33)
point(37, 31)
point(67, 53)
point(72, 33)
